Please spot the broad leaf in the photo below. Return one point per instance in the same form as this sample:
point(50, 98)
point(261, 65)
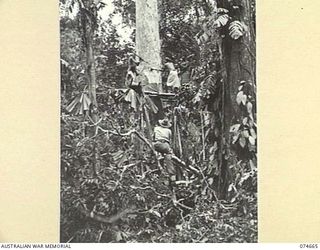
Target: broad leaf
point(211, 158)
point(253, 133)
point(249, 107)
point(239, 97)
point(118, 236)
point(242, 142)
point(252, 140)
point(252, 164)
point(245, 121)
point(235, 128)
point(244, 99)
point(245, 134)
point(235, 138)
point(156, 213)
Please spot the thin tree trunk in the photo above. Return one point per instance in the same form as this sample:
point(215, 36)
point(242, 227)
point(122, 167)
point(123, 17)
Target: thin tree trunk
point(91, 76)
point(91, 73)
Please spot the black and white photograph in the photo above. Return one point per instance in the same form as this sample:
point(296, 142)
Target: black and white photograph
point(158, 127)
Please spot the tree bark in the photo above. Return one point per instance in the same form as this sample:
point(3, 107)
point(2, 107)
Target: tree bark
point(238, 58)
point(91, 77)
point(91, 73)
point(148, 40)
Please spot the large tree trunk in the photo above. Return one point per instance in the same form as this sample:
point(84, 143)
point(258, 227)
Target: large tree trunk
point(148, 39)
point(239, 64)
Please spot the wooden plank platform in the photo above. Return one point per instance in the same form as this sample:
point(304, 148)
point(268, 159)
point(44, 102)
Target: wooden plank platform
point(162, 95)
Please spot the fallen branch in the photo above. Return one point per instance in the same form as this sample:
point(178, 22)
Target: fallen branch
point(177, 160)
point(175, 202)
point(125, 168)
point(208, 185)
point(103, 219)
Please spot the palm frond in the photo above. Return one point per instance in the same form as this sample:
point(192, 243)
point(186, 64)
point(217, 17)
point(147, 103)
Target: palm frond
point(237, 29)
point(221, 21)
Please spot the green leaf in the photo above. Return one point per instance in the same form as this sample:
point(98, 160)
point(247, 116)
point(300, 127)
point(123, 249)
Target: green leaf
point(251, 164)
point(118, 236)
point(211, 158)
point(239, 97)
point(235, 138)
point(252, 140)
point(253, 133)
point(242, 142)
point(204, 240)
point(244, 99)
point(156, 213)
point(245, 133)
point(251, 147)
point(235, 128)
point(245, 121)
point(249, 107)
point(213, 148)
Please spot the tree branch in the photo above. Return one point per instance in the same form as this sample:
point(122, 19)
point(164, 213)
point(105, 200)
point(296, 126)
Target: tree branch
point(151, 188)
point(103, 219)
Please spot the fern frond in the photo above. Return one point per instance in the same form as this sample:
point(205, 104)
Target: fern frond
point(68, 7)
point(237, 29)
point(203, 38)
point(221, 21)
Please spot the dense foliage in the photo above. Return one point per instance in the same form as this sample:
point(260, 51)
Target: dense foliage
point(113, 185)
